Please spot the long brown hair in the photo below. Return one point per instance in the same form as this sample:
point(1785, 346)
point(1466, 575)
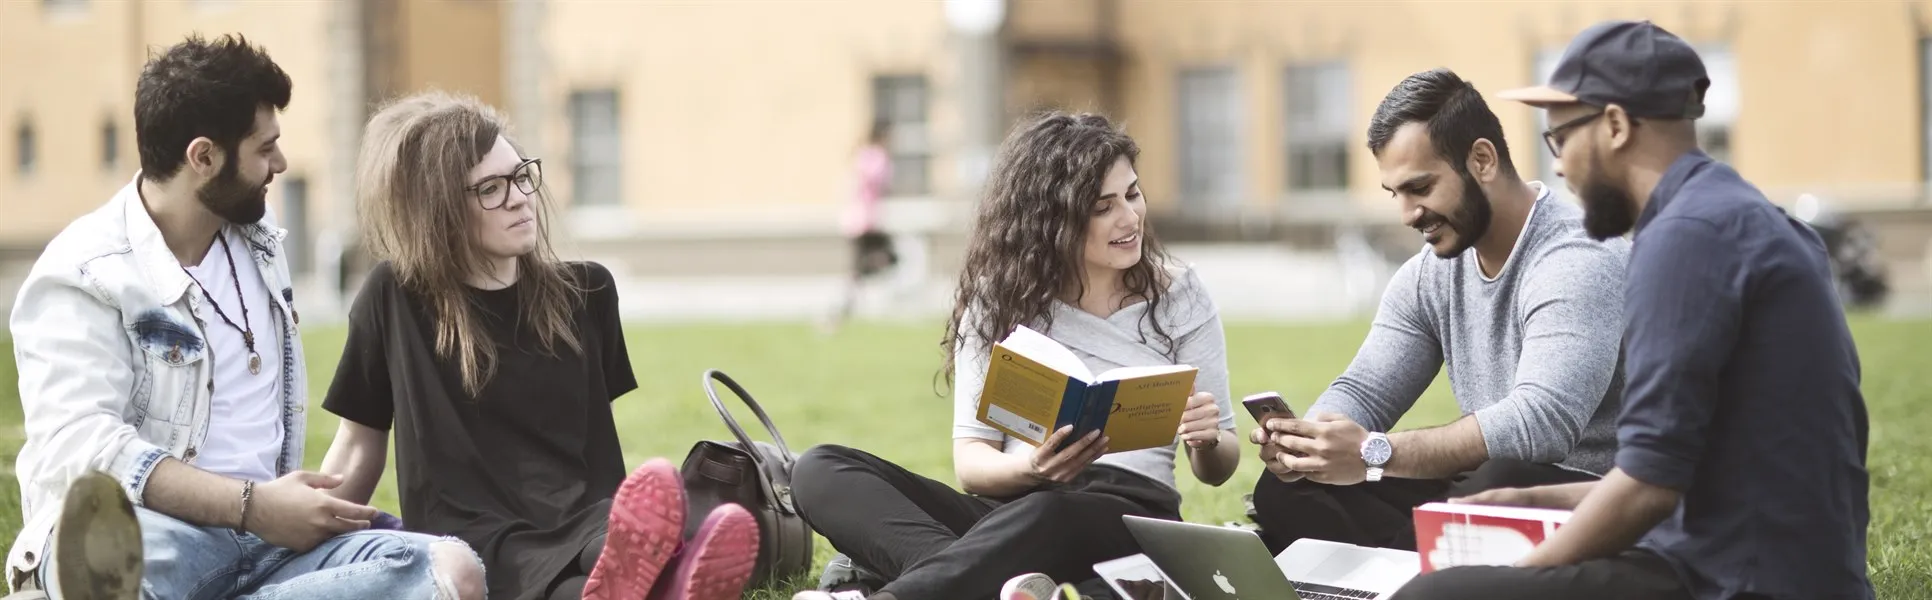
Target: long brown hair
point(416, 156)
point(1028, 238)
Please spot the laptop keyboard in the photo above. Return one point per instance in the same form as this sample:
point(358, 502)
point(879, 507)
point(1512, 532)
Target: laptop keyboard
point(1316, 591)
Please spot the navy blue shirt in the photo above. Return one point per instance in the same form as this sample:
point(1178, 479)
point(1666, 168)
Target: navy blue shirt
point(1742, 393)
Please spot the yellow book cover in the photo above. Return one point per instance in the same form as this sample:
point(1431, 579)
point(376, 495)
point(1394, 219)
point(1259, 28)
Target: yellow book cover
point(1035, 386)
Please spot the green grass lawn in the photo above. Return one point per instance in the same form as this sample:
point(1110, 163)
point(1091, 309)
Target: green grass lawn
point(873, 387)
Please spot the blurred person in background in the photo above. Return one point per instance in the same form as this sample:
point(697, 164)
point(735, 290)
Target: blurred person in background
point(496, 363)
point(157, 343)
point(872, 250)
point(1061, 245)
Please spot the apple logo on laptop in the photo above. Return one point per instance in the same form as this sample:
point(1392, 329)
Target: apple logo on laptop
point(1226, 586)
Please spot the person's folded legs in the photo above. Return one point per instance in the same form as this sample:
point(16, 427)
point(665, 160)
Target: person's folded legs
point(1632, 575)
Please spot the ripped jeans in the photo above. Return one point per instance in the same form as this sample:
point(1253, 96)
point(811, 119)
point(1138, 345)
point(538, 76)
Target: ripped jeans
point(187, 562)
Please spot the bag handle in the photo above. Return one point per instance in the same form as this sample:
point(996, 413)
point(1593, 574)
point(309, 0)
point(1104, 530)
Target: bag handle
point(731, 423)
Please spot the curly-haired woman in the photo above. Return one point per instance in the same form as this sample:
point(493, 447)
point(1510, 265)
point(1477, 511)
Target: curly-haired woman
point(1062, 246)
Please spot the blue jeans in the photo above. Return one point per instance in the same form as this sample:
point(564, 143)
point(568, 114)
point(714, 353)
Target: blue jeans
point(188, 562)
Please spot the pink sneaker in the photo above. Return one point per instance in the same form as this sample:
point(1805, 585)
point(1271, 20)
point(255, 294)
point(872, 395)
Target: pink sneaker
point(717, 562)
point(646, 526)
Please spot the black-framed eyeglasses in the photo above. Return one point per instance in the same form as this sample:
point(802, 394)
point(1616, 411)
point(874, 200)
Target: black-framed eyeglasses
point(1551, 137)
point(494, 192)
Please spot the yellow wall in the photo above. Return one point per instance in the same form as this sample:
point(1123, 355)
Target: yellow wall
point(71, 69)
point(741, 114)
point(1829, 93)
point(90, 51)
point(744, 115)
point(453, 46)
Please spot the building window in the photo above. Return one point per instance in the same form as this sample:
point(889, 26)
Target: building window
point(1720, 102)
point(110, 145)
point(1925, 105)
point(294, 217)
point(1210, 137)
point(900, 102)
point(1546, 166)
point(596, 148)
point(1317, 126)
point(23, 147)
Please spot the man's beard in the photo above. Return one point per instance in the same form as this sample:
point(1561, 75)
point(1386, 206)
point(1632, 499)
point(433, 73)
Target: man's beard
point(1608, 211)
point(1470, 221)
point(234, 200)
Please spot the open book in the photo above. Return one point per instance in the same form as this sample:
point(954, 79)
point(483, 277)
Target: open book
point(1035, 386)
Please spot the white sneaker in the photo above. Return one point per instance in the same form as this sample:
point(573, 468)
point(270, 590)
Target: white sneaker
point(818, 595)
point(1031, 586)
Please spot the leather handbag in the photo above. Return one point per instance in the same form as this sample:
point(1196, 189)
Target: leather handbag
point(754, 475)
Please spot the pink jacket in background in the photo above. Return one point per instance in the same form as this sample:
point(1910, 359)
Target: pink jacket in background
point(874, 173)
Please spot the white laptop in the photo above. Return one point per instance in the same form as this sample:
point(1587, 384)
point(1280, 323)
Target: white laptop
point(1206, 562)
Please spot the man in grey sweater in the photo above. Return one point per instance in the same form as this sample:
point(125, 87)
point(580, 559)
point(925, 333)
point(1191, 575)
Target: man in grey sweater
point(1529, 324)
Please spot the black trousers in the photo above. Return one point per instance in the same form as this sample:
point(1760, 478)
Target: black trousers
point(934, 543)
point(871, 253)
point(1632, 575)
point(1380, 514)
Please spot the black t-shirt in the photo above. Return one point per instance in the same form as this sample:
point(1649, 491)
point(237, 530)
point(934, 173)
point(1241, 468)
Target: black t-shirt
point(525, 471)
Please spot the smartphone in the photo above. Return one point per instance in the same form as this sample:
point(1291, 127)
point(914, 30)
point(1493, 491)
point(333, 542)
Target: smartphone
point(1267, 405)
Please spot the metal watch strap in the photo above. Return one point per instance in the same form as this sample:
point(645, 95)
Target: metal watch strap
point(1374, 472)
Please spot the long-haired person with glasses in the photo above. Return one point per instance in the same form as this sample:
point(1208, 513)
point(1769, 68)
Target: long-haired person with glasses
point(495, 364)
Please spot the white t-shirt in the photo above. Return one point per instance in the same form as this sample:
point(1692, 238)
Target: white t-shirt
point(1186, 313)
point(245, 415)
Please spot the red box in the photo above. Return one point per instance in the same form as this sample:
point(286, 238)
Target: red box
point(1454, 535)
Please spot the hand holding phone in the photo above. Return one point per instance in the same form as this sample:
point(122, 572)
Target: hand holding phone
point(1267, 405)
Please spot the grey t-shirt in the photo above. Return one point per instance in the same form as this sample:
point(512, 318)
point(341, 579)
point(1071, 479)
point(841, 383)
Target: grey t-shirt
point(1121, 340)
point(1534, 353)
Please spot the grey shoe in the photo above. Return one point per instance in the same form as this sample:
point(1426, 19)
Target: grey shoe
point(843, 575)
point(97, 544)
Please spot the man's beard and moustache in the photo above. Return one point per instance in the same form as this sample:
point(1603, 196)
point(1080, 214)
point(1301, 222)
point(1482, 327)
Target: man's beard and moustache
point(1608, 211)
point(233, 199)
point(1470, 221)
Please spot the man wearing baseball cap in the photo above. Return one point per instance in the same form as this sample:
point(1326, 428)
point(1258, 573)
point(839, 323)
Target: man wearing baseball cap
point(1740, 469)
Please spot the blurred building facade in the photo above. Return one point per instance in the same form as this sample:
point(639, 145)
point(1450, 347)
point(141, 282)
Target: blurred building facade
point(712, 137)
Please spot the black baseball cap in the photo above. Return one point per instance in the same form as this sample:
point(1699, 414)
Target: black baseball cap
point(1637, 65)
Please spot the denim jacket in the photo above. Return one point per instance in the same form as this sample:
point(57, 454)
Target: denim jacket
point(113, 375)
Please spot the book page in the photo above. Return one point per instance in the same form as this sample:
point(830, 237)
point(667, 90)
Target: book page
point(1044, 350)
point(1124, 373)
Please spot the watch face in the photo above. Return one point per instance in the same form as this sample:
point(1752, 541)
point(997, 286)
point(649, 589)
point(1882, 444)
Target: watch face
point(1376, 450)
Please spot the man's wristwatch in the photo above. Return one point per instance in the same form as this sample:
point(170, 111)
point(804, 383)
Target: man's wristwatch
point(1375, 453)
